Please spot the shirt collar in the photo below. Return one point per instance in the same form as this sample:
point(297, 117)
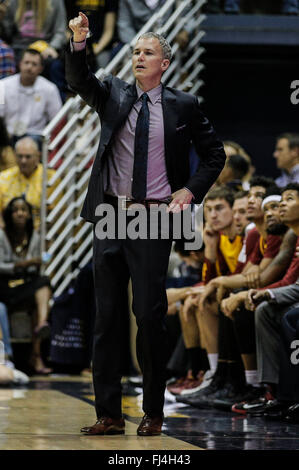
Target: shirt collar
point(154, 94)
point(27, 89)
point(294, 170)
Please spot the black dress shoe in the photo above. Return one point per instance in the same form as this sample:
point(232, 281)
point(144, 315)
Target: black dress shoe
point(292, 415)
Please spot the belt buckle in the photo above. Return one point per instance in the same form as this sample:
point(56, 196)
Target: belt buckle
point(124, 204)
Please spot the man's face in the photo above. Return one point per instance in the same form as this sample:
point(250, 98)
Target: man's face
point(147, 60)
point(240, 214)
point(219, 214)
point(271, 214)
point(289, 207)
point(255, 199)
point(27, 157)
point(285, 157)
point(30, 67)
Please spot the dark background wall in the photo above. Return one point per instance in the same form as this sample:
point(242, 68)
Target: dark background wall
point(247, 96)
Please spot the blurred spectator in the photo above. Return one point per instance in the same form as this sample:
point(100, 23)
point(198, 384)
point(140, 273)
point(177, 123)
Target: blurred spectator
point(25, 178)
point(134, 14)
point(7, 60)
point(233, 148)
point(30, 101)
point(28, 21)
point(235, 169)
point(102, 21)
point(39, 25)
point(21, 285)
point(230, 6)
point(7, 154)
point(287, 158)
point(290, 7)
point(4, 329)
point(3, 8)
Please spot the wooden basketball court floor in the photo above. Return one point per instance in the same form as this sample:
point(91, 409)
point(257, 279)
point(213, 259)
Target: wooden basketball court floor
point(48, 413)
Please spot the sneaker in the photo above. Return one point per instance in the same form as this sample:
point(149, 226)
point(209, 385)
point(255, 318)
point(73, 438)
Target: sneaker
point(9, 364)
point(180, 383)
point(206, 380)
point(222, 391)
point(276, 410)
point(136, 380)
point(199, 398)
point(19, 377)
point(253, 406)
point(292, 415)
point(177, 383)
point(235, 395)
point(189, 384)
point(185, 385)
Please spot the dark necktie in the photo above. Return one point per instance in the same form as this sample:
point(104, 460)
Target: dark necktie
point(141, 151)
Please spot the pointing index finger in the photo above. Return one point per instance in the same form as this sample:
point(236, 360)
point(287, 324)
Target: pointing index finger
point(83, 16)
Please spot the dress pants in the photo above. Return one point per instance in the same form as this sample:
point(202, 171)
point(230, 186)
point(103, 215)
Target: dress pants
point(268, 318)
point(288, 387)
point(114, 262)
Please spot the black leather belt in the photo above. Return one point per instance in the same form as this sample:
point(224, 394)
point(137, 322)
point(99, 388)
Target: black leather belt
point(126, 203)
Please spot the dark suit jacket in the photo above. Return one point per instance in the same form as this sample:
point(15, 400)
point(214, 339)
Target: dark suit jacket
point(113, 99)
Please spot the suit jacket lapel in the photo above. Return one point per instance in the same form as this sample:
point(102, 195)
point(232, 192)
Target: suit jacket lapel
point(127, 98)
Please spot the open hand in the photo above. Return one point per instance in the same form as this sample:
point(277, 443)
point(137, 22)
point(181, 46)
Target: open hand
point(180, 201)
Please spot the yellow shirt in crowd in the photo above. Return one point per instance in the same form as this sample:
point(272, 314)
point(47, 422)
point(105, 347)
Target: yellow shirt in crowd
point(13, 183)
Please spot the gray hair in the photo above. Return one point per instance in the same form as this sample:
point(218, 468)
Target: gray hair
point(165, 46)
point(27, 140)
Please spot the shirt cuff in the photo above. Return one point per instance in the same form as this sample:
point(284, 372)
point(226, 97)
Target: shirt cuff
point(270, 292)
point(77, 46)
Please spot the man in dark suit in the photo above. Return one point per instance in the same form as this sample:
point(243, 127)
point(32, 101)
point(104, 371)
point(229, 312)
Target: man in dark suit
point(143, 156)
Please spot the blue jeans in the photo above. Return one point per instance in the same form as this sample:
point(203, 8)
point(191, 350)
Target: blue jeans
point(290, 6)
point(4, 325)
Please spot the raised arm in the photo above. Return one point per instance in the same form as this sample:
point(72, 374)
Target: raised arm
point(78, 75)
